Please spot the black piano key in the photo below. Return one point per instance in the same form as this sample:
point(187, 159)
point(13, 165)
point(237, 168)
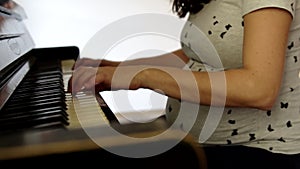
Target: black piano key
point(37, 106)
point(36, 86)
point(40, 75)
point(39, 88)
point(42, 65)
point(42, 80)
point(38, 96)
point(35, 102)
point(49, 124)
point(36, 111)
point(29, 82)
point(43, 74)
point(37, 122)
point(23, 119)
point(27, 117)
point(41, 94)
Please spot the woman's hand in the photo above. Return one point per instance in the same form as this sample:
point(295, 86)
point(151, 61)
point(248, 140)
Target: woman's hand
point(105, 78)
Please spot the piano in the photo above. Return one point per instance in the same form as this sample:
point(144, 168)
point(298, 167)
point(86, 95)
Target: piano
point(41, 123)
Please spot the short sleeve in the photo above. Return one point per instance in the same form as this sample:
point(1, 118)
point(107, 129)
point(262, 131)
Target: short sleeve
point(252, 5)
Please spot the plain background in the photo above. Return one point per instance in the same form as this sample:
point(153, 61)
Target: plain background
point(73, 22)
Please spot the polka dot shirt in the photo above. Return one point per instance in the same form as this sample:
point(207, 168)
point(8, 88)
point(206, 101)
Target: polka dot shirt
point(221, 24)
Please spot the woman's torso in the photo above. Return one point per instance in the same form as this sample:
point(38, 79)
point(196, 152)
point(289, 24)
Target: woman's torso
point(221, 21)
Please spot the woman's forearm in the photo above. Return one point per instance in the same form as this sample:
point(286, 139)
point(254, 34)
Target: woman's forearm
point(234, 88)
point(176, 58)
point(172, 59)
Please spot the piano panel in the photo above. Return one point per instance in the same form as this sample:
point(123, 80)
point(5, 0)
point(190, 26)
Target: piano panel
point(60, 148)
point(15, 39)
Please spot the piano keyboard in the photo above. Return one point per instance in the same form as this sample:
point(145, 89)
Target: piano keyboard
point(85, 108)
point(42, 101)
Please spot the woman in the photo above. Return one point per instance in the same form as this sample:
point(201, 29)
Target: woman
point(258, 81)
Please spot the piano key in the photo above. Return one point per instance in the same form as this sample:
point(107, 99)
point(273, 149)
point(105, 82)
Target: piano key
point(61, 109)
point(39, 88)
point(42, 80)
point(45, 93)
point(36, 97)
point(41, 105)
point(30, 119)
point(84, 110)
point(27, 116)
point(44, 73)
point(37, 79)
point(27, 102)
point(35, 122)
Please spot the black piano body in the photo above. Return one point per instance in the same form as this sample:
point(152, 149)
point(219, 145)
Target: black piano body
point(36, 122)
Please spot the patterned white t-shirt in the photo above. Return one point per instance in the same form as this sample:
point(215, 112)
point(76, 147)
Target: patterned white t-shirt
point(276, 130)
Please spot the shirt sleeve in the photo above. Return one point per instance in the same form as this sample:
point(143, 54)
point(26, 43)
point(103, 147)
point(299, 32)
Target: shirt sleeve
point(252, 5)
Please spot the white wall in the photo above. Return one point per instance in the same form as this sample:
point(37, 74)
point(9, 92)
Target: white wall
point(73, 22)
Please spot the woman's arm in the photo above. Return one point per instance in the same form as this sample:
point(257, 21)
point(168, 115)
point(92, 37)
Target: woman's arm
point(255, 85)
point(87, 68)
point(173, 59)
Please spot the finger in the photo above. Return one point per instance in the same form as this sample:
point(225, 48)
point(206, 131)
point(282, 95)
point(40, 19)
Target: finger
point(69, 88)
point(81, 76)
point(97, 83)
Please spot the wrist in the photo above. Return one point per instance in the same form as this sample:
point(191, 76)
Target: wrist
point(141, 79)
